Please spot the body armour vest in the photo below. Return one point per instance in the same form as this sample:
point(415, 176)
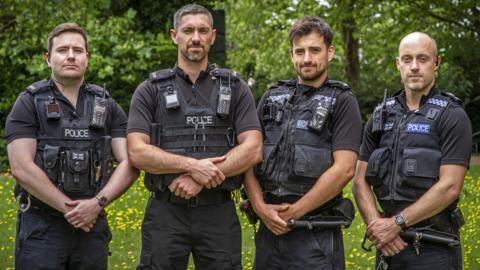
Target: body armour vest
point(74, 152)
point(407, 161)
point(297, 138)
point(195, 131)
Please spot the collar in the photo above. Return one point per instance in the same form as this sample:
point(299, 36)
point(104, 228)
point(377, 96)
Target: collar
point(203, 73)
point(307, 89)
point(401, 98)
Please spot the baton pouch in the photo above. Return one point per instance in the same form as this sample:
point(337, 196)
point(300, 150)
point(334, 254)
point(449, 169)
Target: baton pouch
point(50, 157)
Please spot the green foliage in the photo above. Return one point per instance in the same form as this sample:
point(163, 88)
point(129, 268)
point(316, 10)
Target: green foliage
point(257, 36)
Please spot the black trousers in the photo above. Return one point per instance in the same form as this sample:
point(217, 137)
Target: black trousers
point(45, 241)
point(170, 232)
point(431, 256)
point(299, 249)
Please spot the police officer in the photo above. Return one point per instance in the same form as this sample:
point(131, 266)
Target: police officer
point(60, 151)
point(312, 132)
point(193, 129)
point(414, 157)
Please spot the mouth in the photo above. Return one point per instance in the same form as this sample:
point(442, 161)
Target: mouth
point(70, 66)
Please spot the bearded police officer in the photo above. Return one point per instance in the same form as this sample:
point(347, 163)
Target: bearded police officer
point(60, 145)
point(194, 130)
point(414, 157)
point(312, 131)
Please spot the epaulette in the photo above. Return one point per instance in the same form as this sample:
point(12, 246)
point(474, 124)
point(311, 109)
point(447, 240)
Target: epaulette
point(161, 74)
point(97, 90)
point(338, 84)
point(452, 97)
point(38, 87)
point(225, 73)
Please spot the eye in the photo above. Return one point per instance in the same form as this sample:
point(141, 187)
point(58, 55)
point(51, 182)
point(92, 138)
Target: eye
point(407, 59)
point(299, 51)
point(203, 30)
point(187, 30)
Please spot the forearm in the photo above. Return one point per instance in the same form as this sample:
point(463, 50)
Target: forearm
point(439, 196)
point(243, 156)
point(120, 181)
point(152, 159)
point(253, 189)
point(36, 182)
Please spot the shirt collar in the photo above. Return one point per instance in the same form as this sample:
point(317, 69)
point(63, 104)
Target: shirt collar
point(401, 98)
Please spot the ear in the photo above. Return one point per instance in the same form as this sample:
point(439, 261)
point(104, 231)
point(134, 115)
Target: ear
point(437, 62)
point(331, 53)
point(214, 36)
point(47, 58)
point(173, 36)
point(397, 61)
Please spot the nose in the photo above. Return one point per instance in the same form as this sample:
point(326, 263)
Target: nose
point(307, 58)
point(414, 65)
point(70, 54)
point(196, 36)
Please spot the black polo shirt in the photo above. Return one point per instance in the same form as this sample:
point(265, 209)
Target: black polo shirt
point(144, 101)
point(455, 133)
point(22, 122)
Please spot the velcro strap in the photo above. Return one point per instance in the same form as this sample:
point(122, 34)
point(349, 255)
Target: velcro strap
point(192, 143)
point(189, 131)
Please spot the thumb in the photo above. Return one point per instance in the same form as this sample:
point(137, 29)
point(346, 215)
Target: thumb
point(283, 207)
point(72, 203)
point(217, 159)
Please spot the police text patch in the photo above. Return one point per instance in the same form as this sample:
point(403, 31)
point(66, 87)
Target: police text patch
point(418, 128)
point(76, 133)
point(200, 120)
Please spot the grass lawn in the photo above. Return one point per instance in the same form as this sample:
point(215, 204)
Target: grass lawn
point(126, 215)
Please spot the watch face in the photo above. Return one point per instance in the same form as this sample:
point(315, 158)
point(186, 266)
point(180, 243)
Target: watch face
point(399, 220)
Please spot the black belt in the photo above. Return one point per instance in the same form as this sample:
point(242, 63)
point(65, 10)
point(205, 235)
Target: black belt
point(202, 199)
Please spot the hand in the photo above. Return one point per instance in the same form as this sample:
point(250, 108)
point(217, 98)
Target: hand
point(185, 187)
point(289, 213)
point(269, 214)
point(206, 173)
point(83, 213)
point(394, 247)
point(381, 231)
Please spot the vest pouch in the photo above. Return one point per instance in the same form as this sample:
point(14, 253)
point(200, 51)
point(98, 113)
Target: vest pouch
point(77, 176)
point(50, 164)
point(310, 161)
point(265, 167)
point(378, 166)
point(420, 168)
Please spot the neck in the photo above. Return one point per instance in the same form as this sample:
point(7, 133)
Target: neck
point(68, 86)
point(316, 83)
point(191, 68)
point(413, 98)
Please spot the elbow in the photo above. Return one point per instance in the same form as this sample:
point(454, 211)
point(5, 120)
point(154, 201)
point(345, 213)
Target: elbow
point(256, 155)
point(349, 172)
point(134, 157)
point(18, 173)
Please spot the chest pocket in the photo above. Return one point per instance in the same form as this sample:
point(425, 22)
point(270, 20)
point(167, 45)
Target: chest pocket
point(77, 173)
point(310, 161)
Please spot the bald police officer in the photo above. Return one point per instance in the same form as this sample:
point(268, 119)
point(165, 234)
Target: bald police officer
point(413, 161)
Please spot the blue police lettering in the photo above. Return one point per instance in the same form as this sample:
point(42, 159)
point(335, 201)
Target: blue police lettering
point(76, 133)
point(199, 120)
point(418, 128)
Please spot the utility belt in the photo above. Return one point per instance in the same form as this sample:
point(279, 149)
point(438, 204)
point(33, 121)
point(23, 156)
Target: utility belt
point(202, 199)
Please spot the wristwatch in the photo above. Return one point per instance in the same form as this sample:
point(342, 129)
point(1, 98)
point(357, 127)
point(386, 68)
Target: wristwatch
point(400, 221)
point(102, 200)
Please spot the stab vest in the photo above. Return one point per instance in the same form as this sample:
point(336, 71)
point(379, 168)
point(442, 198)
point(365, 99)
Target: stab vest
point(297, 138)
point(76, 157)
point(407, 161)
point(193, 131)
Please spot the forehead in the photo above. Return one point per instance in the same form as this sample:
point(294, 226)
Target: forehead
point(313, 39)
point(416, 46)
point(69, 38)
point(194, 20)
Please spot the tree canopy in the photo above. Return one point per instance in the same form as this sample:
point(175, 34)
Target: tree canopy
point(128, 39)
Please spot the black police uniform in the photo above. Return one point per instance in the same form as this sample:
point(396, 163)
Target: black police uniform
point(405, 150)
point(199, 120)
point(302, 128)
point(75, 153)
